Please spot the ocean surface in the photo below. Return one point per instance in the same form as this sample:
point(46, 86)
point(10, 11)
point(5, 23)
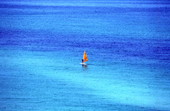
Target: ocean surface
point(42, 44)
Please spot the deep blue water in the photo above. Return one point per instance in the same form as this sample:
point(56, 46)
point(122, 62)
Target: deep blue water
point(42, 44)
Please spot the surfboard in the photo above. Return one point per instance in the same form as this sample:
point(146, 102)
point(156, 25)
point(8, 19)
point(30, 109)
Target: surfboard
point(83, 63)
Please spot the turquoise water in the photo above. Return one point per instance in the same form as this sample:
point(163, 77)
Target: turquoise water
point(42, 44)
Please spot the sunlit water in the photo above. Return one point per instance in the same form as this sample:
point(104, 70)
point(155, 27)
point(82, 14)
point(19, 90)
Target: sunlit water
point(41, 48)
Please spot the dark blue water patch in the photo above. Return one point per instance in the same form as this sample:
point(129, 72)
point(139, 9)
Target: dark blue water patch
point(158, 49)
point(99, 10)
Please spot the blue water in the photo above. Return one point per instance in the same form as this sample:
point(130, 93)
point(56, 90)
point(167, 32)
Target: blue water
point(42, 44)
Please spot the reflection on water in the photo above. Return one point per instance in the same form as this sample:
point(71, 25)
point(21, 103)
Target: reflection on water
point(85, 67)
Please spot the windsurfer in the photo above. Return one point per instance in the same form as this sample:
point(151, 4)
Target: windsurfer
point(82, 60)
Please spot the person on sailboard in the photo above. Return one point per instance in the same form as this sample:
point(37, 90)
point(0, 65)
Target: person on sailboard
point(85, 58)
point(82, 60)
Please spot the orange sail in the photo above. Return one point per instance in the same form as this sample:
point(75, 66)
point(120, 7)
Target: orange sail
point(85, 58)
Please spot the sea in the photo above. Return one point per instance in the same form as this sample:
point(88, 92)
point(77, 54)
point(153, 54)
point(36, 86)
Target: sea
point(42, 44)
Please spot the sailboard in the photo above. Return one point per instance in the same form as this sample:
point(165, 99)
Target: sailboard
point(85, 58)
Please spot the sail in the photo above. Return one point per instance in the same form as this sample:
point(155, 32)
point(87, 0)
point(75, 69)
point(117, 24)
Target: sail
point(85, 58)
